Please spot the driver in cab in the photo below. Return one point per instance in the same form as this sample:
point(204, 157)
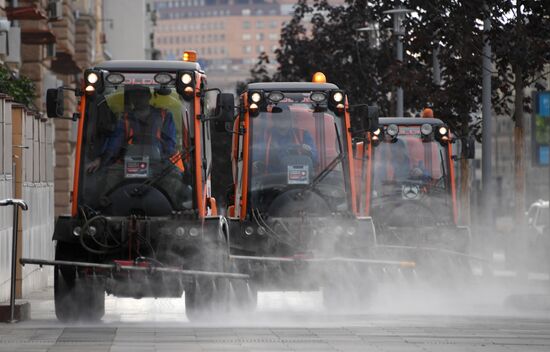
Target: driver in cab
point(281, 140)
point(141, 125)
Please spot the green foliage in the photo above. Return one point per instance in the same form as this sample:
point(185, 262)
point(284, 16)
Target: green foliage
point(323, 37)
point(21, 89)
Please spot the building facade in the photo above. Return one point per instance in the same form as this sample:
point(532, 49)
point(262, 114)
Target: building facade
point(49, 42)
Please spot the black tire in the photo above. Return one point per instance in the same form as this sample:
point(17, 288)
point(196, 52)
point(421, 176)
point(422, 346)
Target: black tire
point(76, 298)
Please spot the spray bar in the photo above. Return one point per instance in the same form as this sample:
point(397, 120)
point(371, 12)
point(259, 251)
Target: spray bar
point(403, 264)
point(432, 249)
point(116, 267)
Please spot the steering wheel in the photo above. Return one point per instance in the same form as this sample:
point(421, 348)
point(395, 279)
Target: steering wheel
point(300, 149)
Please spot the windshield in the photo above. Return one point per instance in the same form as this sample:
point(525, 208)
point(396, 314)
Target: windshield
point(410, 178)
point(295, 147)
point(137, 133)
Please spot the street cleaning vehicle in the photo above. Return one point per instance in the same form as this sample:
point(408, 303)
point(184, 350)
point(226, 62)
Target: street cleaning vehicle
point(293, 213)
point(143, 221)
point(407, 183)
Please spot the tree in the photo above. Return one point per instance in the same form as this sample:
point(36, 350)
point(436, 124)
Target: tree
point(519, 37)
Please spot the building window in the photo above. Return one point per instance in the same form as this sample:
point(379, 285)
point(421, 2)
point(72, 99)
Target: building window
point(247, 36)
point(273, 36)
point(273, 24)
point(246, 24)
point(247, 49)
point(260, 49)
point(259, 24)
point(259, 36)
point(245, 12)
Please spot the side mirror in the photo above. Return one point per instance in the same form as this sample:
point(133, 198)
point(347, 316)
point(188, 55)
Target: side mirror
point(468, 147)
point(371, 122)
point(364, 118)
point(225, 107)
point(55, 102)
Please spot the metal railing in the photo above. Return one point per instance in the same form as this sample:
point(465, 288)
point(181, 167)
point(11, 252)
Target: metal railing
point(16, 203)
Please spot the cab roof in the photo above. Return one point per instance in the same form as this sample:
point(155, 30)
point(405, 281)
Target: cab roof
point(146, 66)
point(410, 121)
point(291, 86)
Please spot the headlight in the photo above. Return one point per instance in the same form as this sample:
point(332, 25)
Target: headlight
point(274, 97)
point(392, 130)
point(256, 97)
point(377, 132)
point(92, 78)
point(90, 89)
point(253, 107)
point(249, 230)
point(193, 232)
point(318, 97)
point(188, 90)
point(115, 78)
point(443, 130)
point(165, 78)
point(426, 129)
point(338, 97)
point(76, 231)
point(186, 78)
point(180, 231)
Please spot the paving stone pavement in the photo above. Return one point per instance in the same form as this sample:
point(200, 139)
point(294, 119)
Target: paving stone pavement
point(149, 325)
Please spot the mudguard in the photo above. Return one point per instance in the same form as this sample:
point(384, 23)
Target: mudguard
point(63, 231)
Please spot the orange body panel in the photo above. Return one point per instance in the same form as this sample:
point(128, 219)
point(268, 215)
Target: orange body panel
point(347, 130)
point(201, 190)
point(82, 109)
point(453, 183)
point(246, 139)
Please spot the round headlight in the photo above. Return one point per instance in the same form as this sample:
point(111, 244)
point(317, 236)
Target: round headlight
point(90, 89)
point(186, 78)
point(115, 78)
point(76, 231)
point(249, 230)
point(256, 97)
point(253, 106)
point(338, 97)
point(92, 78)
point(261, 231)
point(318, 97)
point(377, 132)
point(180, 231)
point(275, 96)
point(426, 129)
point(193, 232)
point(443, 130)
point(392, 130)
point(188, 90)
point(164, 78)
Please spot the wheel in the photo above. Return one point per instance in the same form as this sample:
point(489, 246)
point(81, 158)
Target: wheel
point(76, 298)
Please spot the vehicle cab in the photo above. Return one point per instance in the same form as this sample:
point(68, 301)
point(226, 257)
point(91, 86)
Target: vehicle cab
point(141, 197)
point(293, 202)
point(407, 181)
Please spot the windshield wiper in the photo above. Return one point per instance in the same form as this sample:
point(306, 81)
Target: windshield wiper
point(321, 176)
point(163, 173)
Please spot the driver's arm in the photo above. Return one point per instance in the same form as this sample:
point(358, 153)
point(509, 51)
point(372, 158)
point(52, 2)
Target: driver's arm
point(114, 142)
point(168, 135)
point(308, 140)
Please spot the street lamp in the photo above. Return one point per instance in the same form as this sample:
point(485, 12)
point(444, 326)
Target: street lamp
point(398, 15)
point(372, 31)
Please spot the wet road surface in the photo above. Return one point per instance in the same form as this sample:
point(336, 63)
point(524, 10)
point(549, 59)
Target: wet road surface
point(406, 320)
